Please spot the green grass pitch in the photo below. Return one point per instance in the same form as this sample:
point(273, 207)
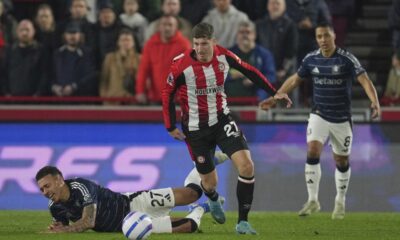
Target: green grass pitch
point(27, 225)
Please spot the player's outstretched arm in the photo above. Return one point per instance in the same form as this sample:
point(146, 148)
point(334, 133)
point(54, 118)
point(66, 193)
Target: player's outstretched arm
point(291, 83)
point(85, 223)
point(370, 90)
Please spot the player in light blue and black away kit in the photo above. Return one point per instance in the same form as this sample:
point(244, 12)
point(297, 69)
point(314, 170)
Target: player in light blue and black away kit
point(78, 205)
point(332, 71)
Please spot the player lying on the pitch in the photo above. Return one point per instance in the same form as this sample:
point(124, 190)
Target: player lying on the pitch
point(77, 205)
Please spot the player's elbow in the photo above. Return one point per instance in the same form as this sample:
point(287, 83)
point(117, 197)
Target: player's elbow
point(165, 96)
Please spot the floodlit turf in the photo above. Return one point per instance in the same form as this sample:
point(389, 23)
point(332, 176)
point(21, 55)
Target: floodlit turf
point(270, 225)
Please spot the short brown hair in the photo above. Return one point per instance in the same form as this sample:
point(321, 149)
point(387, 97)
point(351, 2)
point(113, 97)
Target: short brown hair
point(203, 30)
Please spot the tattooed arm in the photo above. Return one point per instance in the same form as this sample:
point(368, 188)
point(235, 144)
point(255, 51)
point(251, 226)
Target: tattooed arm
point(85, 223)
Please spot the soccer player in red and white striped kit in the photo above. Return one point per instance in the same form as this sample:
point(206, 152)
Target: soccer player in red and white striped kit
point(198, 76)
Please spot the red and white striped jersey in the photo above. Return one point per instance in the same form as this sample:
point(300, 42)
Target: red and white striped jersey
point(200, 88)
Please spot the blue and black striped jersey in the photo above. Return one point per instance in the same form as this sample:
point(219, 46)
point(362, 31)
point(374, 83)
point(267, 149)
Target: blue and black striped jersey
point(112, 207)
point(332, 78)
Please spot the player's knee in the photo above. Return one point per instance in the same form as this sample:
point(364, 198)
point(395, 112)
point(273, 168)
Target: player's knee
point(341, 161)
point(313, 152)
point(246, 169)
point(314, 149)
point(194, 192)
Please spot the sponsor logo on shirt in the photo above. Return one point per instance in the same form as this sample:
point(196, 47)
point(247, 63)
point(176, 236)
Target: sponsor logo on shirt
point(210, 90)
point(328, 81)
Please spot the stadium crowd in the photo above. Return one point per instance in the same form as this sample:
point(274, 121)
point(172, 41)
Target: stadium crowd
point(123, 48)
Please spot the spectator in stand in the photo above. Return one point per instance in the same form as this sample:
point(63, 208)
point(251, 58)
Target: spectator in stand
point(79, 11)
point(7, 6)
point(134, 20)
point(171, 7)
point(157, 55)
point(225, 19)
point(25, 9)
point(108, 29)
point(7, 30)
point(93, 9)
point(151, 9)
point(25, 71)
point(255, 9)
point(118, 75)
point(46, 28)
point(7, 27)
point(342, 14)
point(305, 14)
point(118, 6)
point(278, 33)
point(61, 9)
point(392, 92)
point(74, 69)
point(195, 10)
point(394, 23)
point(261, 58)
point(324, 14)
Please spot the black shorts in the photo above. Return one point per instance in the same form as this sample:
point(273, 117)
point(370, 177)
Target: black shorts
point(202, 143)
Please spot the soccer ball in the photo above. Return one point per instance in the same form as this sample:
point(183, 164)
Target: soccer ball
point(137, 225)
